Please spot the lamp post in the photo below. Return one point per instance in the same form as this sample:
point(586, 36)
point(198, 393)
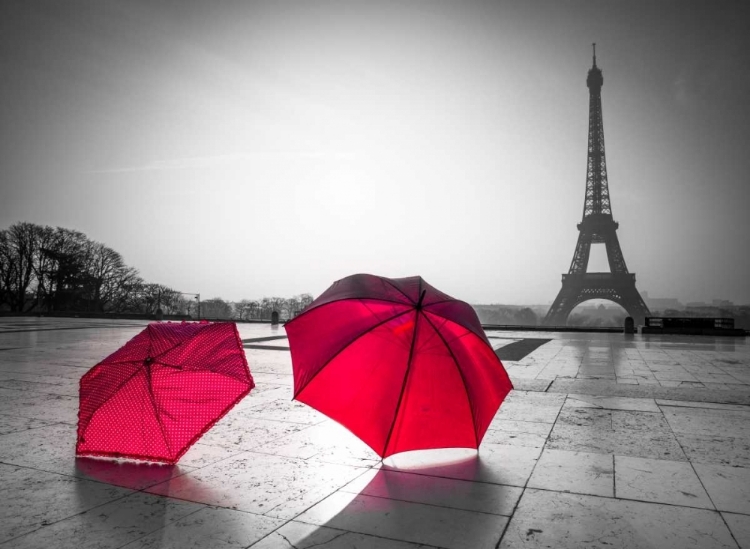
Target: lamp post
point(198, 299)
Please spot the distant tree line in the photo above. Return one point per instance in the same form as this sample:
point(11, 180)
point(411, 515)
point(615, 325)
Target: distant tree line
point(600, 316)
point(255, 309)
point(45, 270)
point(506, 315)
point(56, 269)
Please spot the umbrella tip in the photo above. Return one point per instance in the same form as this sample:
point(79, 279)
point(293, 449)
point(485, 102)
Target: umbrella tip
point(421, 298)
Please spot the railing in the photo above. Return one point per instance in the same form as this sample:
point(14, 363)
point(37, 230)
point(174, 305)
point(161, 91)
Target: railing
point(603, 277)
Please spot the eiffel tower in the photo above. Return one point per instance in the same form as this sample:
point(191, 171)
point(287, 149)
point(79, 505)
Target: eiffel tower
point(597, 227)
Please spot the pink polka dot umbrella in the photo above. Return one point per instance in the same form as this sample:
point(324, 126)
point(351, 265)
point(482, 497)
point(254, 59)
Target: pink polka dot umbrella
point(157, 395)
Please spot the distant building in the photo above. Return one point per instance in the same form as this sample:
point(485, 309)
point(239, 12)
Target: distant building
point(661, 303)
point(722, 303)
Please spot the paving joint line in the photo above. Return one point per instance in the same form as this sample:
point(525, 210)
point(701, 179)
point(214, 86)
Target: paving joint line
point(525, 486)
point(400, 540)
point(304, 511)
point(428, 504)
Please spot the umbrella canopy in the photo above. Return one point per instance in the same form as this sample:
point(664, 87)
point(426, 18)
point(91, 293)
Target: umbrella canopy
point(155, 396)
point(400, 364)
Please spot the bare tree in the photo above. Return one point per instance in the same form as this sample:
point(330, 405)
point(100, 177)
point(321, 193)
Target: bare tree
point(277, 303)
point(292, 306)
point(216, 308)
point(150, 297)
point(127, 298)
point(106, 272)
point(173, 302)
point(42, 263)
point(305, 300)
point(253, 308)
point(59, 268)
point(265, 308)
point(7, 269)
point(244, 309)
point(17, 248)
point(261, 309)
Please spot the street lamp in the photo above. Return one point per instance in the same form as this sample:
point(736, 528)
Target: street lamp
point(198, 299)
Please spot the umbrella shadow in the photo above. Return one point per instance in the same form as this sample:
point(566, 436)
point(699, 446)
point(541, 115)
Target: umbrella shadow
point(419, 497)
point(126, 474)
point(118, 515)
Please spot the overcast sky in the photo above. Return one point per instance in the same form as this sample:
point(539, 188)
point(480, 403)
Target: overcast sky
point(247, 149)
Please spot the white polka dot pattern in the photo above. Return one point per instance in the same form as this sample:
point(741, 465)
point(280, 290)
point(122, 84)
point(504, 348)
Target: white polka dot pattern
point(157, 395)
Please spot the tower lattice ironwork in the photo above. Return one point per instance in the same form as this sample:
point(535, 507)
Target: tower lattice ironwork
point(597, 227)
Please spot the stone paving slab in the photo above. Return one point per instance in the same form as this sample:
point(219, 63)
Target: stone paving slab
point(210, 527)
point(624, 442)
point(444, 492)
point(52, 449)
point(737, 394)
point(406, 521)
point(739, 525)
point(576, 472)
point(258, 483)
point(660, 481)
point(715, 449)
point(36, 499)
point(555, 519)
point(111, 525)
point(607, 441)
point(728, 487)
point(306, 536)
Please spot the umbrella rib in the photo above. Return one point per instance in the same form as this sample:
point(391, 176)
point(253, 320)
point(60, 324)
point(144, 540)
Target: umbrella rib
point(150, 340)
point(156, 412)
point(388, 281)
point(140, 360)
point(368, 330)
point(451, 300)
point(367, 306)
point(403, 384)
point(120, 386)
point(118, 362)
point(484, 340)
point(373, 313)
point(347, 298)
point(461, 373)
point(178, 344)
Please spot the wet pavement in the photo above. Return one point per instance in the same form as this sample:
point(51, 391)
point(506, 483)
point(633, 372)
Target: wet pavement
point(608, 441)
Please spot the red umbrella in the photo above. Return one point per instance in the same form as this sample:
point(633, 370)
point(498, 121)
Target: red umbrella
point(154, 397)
point(400, 364)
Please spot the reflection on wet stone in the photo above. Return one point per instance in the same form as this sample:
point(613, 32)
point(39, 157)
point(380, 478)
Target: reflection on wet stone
point(636, 461)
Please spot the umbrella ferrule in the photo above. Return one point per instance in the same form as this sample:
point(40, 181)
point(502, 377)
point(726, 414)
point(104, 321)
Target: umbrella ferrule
point(421, 298)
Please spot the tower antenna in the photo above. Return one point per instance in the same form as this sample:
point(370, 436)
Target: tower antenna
point(594, 46)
